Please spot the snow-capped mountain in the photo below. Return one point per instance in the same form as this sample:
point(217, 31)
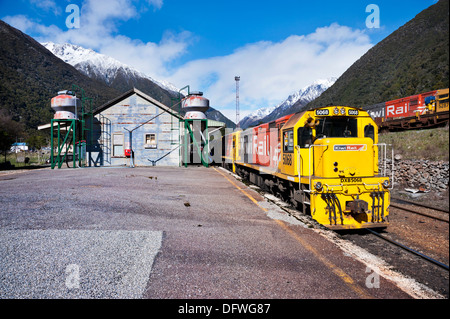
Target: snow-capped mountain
point(100, 66)
point(300, 98)
point(256, 116)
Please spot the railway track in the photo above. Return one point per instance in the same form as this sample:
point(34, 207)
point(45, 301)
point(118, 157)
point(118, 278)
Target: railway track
point(421, 205)
point(414, 263)
point(415, 211)
point(413, 251)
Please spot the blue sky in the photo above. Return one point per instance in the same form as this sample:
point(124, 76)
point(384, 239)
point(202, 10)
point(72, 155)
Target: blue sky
point(277, 47)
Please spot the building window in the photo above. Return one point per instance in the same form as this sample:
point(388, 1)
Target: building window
point(118, 150)
point(150, 140)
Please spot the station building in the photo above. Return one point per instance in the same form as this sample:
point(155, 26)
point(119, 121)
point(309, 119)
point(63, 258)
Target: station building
point(134, 121)
point(134, 129)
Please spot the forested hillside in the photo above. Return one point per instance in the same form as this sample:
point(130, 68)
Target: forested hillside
point(30, 76)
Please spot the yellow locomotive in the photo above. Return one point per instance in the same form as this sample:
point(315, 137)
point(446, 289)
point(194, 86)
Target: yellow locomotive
point(325, 161)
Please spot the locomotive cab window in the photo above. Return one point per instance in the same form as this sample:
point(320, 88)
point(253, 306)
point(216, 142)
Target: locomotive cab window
point(288, 141)
point(337, 127)
point(304, 137)
point(369, 131)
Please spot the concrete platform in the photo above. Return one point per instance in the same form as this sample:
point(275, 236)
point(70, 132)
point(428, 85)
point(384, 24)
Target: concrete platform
point(167, 233)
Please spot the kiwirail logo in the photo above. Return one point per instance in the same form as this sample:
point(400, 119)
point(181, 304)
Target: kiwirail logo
point(350, 147)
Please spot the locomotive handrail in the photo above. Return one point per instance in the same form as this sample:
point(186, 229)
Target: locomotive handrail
point(384, 156)
point(309, 158)
point(299, 163)
point(297, 148)
point(332, 186)
point(374, 186)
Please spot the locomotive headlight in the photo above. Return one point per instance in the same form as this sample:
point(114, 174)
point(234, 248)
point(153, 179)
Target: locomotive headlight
point(318, 186)
point(386, 183)
point(336, 111)
point(342, 111)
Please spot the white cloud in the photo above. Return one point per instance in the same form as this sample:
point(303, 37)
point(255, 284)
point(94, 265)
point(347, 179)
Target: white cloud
point(26, 25)
point(156, 3)
point(150, 58)
point(47, 5)
point(270, 71)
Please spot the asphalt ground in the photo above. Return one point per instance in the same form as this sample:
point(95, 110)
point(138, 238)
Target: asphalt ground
point(166, 233)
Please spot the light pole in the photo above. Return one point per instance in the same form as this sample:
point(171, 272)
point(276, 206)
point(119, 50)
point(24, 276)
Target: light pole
point(237, 79)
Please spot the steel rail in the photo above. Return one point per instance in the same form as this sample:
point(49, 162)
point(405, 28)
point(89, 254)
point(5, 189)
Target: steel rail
point(416, 212)
point(415, 252)
point(421, 205)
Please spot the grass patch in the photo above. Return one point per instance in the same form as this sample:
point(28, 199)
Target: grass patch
point(18, 159)
point(427, 144)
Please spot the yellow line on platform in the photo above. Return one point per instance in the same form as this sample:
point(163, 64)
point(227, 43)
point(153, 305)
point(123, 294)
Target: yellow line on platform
point(335, 269)
point(242, 190)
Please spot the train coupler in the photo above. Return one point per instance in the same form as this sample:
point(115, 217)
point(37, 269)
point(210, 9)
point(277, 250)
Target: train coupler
point(357, 206)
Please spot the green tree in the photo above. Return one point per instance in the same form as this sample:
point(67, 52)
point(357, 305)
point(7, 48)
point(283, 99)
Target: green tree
point(9, 131)
point(36, 141)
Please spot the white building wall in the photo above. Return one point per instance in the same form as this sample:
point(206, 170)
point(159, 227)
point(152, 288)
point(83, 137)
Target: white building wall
point(112, 137)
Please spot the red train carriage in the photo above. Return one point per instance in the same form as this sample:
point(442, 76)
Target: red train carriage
point(408, 106)
point(422, 110)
